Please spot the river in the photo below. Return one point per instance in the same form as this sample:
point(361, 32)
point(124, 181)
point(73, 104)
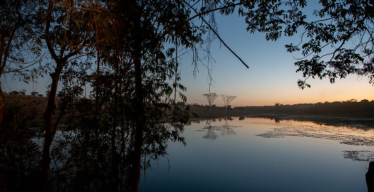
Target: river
point(258, 154)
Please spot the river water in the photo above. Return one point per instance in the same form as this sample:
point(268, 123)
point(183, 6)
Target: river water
point(257, 154)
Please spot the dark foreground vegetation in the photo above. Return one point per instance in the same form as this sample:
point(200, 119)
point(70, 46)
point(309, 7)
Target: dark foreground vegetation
point(128, 52)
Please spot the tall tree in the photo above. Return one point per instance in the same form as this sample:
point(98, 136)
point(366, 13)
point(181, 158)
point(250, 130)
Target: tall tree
point(144, 27)
point(210, 97)
point(20, 44)
point(66, 33)
point(147, 25)
point(227, 100)
point(138, 30)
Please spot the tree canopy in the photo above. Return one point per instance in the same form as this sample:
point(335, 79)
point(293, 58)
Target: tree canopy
point(337, 42)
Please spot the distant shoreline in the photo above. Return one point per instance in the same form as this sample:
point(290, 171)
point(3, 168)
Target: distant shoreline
point(288, 116)
point(349, 111)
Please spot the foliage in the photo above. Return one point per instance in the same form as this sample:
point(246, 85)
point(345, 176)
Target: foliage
point(14, 93)
point(120, 49)
point(97, 149)
point(19, 155)
point(22, 92)
point(336, 24)
point(20, 43)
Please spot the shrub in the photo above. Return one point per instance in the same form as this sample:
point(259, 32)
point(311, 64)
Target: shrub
point(22, 92)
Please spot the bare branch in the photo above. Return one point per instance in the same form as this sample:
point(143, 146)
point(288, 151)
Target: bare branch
point(210, 27)
point(210, 97)
point(227, 100)
point(212, 10)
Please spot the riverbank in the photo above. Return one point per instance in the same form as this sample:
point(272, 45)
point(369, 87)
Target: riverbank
point(204, 112)
point(36, 105)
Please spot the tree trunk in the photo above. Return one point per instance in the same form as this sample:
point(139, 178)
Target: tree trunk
point(1, 105)
point(139, 126)
point(115, 158)
point(49, 133)
point(139, 110)
point(176, 74)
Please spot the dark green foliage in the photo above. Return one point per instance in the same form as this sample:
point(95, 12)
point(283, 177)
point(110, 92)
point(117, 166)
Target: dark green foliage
point(97, 149)
point(19, 155)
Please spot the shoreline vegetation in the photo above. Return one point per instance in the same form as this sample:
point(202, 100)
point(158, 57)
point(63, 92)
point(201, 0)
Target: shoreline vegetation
point(350, 109)
point(346, 110)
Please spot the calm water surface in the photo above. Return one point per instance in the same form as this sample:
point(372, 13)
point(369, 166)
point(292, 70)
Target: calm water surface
point(258, 154)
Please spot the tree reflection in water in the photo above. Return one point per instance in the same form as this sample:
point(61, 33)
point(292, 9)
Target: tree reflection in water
point(91, 155)
point(210, 133)
point(226, 129)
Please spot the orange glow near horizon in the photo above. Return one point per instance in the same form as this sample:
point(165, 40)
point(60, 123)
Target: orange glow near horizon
point(321, 91)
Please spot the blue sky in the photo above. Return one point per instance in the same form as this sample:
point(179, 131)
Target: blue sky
point(271, 76)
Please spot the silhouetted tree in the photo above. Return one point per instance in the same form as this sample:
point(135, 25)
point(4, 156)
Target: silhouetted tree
point(210, 97)
point(65, 36)
point(227, 100)
point(20, 44)
point(22, 92)
point(334, 25)
point(125, 121)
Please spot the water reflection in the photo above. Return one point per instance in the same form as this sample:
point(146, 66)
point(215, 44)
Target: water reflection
point(308, 153)
point(348, 131)
point(360, 155)
point(357, 134)
point(210, 131)
point(357, 123)
point(226, 128)
point(344, 135)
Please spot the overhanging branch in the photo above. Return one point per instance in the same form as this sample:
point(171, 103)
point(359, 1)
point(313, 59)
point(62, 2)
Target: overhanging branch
point(212, 10)
point(210, 27)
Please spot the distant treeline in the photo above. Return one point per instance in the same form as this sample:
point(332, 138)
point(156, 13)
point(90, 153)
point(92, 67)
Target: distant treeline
point(354, 108)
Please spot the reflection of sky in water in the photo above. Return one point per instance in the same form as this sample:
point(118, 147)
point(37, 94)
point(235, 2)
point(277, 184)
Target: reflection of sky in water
point(305, 157)
point(345, 135)
point(39, 140)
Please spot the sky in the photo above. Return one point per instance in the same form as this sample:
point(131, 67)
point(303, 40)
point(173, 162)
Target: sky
point(271, 77)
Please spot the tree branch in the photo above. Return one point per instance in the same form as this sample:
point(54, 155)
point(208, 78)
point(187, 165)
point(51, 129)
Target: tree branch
point(79, 8)
point(216, 9)
point(217, 35)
